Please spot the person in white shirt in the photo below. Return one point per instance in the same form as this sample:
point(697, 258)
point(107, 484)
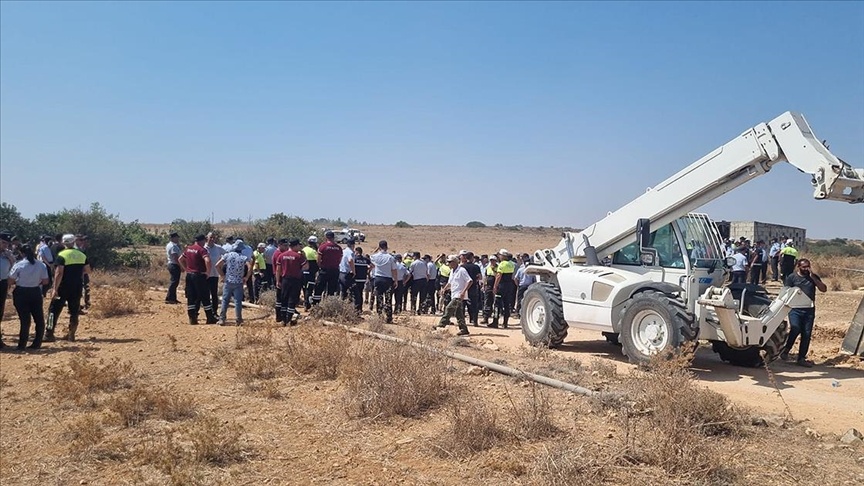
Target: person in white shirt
point(458, 285)
point(384, 279)
point(346, 268)
point(401, 279)
point(431, 281)
point(739, 269)
point(418, 271)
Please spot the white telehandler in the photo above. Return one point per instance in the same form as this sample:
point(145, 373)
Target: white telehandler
point(664, 285)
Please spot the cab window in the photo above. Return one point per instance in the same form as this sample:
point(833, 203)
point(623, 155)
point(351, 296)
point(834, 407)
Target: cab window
point(664, 241)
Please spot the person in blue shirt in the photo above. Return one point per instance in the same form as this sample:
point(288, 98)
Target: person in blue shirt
point(26, 280)
point(525, 280)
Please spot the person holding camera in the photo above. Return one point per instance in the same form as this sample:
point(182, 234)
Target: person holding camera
point(801, 320)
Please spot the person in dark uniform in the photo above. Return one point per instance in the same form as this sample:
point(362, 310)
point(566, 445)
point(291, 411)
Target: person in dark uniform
point(505, 286)
point(310, 274)
point(384, 276)
point(269, 275)
point(361, 273)
point(70, 267)
point(474, 292)
point(195, 261)
point(329, 256)
point(7, 261)
point(173, 252)
point(283, 246)
point(26, 280)
point(490, 304)
point(801, 320)
point(289, 268)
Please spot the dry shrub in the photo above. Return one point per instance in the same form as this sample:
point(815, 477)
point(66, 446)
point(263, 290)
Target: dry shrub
point(267, 299)
point(334, 308)
point(142, 278)
point(82, 379)
point(270, 389)
point(115, 302)
point(215, 442)
point(87, 440)
point(316, 351)
point(474, 427)
point(256, 365)
point(376, 323)
point(840, 273)
point(531, 416)
point(258, 335)
point(142, 402)
point(386, 379)
point(672, 422)
point(568, 465)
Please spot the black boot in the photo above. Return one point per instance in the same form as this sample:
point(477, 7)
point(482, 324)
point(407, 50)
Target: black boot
point(73, 327)
point(211, 317)
point(193, 317)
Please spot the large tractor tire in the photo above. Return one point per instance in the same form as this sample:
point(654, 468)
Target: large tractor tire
point(654, 323)
point(542, 315)
point(754, 356)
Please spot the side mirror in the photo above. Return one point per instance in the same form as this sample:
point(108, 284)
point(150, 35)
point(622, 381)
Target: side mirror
point(648, 257)
point(643, 232)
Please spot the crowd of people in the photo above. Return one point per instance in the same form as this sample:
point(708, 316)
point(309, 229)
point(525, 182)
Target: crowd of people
point(753, 261)
point(58, 269)
point(388, 282)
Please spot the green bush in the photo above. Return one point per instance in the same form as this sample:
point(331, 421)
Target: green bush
point(837, 247)
point(278, 226)
point(138, 235)
point(189, 229)
point(12, 221)
point(475, 224)
point(402, 224)
point(133, 259)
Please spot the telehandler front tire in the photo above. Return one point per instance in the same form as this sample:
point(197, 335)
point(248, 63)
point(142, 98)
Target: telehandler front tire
point(542, 315)
point(653, 324)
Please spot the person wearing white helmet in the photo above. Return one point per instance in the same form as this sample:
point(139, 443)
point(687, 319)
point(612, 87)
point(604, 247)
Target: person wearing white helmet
point(310, 273)
point(70, 267)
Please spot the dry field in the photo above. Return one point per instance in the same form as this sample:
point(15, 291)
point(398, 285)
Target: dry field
point(143, 398)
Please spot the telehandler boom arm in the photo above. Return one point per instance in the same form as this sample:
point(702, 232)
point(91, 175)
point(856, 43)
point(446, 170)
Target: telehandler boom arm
point(786, 138)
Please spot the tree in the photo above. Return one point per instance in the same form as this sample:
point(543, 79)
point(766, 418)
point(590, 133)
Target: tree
point(402, 224)
point(475, 224)
point(187, 230)
point(279, 225)
point(12, 221)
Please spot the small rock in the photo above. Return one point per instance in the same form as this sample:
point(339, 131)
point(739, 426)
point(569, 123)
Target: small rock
point(490, 346)
point(406, 440)
point(473, 371)
point(812, 433)
point(769, 421)
point(852, 436)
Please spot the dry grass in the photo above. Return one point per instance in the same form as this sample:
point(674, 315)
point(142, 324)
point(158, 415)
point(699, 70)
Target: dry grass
point(141, 402)
point(267, 299)
point(333, 308)
point(565, 464)
point(839, 273)
point(385, 380)
point(672, 422)
point(216, 442)
point(88, 440)
point(255, 335)
point(531, 416)
point(317, 351)
point(473, 427)
point(155, 276)
point(256, 365)
point(83, 379)
point(376, 323)
point(116, 302)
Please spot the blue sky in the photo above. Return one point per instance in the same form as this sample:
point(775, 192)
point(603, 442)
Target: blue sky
point(416, 111)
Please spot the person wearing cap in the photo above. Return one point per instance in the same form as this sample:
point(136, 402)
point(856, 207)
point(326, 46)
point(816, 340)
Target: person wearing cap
point(757, 262)
point(384, 279)
point(458, 285)
point(195, 261)
point(346, 269)
point(7, 261)
point(361, 275)
point(173, 251)
point(329, 257)
point(402, 276)
point(289, 268)
point(490, 299)
point(259, 269)
point(235, 269)
point(46, 256)
point(443, 277)
point(431, 285)
point(417, 283)
point(788, 257)
point(215, 251)
point(504, 286)
point(524, 280)
point(70, 267)
point(474, 293)
point(310, 273)
point(229, 243)
point(26, 279)
point(774, 259)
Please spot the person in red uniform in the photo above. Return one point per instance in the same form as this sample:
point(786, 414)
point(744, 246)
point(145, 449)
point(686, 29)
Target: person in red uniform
point(282, 246)
point(195, 261)
point(289, 267)
point(329, 256)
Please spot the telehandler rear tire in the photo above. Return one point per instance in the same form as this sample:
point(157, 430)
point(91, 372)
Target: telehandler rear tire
point(754, 356)
point(653, 324)
point(542, 315)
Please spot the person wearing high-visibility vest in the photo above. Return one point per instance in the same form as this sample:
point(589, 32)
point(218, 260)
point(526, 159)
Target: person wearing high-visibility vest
point(444, 271)
point(505, 286)
point(259, 268)
point(788, 257)
point(490, 305)
point(310, 273)
point(70, 267)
